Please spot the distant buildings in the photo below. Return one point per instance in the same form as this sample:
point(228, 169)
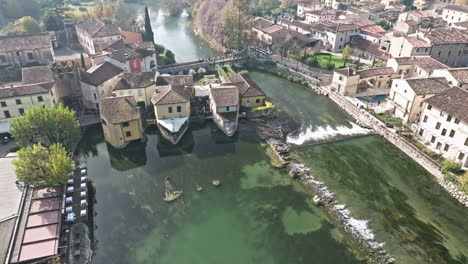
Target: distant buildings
point(456, 76)
point(449, 46)
point(93, 35)
point(455, 14)
point(420, 66)
point(134, 57)
point(121, 120)
point(443, 126)
point(268, 32)
point(26, 50)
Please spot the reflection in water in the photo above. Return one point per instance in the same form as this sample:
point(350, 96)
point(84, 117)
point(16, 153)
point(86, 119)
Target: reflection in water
point(250, 218)
point(176, 34)
point(130, 157)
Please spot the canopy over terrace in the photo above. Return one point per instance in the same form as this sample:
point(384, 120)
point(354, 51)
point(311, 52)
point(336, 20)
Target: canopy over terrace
point(39, 232)
point(173, 125)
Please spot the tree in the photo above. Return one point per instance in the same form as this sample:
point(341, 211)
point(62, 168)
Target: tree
point(83, 63)
point(345, 54)
point(174, 7)
point(29, 25)
point(286, 3)
point(237, 25)
point(148, 34)
point(52, 21)
point(47, 125)
point(170, 57)
point(43, 167)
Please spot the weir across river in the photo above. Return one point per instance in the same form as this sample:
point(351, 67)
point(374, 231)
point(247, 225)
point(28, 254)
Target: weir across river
point(208, 64)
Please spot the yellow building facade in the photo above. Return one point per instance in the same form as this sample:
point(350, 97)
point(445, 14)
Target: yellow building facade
point(121, 120)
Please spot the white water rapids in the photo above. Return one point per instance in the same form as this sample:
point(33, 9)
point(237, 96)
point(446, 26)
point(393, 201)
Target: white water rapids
point(322, 133)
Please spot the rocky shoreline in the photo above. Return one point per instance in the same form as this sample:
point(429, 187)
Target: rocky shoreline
point(274, 133)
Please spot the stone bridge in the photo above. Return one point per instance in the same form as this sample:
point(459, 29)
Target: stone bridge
point(201, 65)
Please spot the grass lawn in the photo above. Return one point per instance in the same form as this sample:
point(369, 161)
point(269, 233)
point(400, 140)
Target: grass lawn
point(75, 10)
point(324, 58)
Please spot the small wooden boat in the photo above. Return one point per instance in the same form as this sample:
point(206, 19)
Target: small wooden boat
point(171, 194)
point(216, 182)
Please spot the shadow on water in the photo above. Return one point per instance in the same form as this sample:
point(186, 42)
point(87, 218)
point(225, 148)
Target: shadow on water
point(419, 222)
point(258, 215)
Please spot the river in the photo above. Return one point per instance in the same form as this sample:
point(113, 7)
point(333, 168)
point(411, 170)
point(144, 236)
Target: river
point(258, 214)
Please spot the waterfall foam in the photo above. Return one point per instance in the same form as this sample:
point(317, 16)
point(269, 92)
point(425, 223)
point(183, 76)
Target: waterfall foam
point(322, 133)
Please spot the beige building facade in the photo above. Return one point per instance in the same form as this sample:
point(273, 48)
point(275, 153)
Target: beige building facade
point(443, 127)
point(121, 120)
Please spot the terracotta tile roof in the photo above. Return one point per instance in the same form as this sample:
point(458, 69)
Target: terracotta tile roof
point(28, 89)
point(424, 62)
point(452, 101)
point(133, 80)
point(25, 42)
point(101, 73)
point(339, 27)
point(373, 28)
point(273, 28)
point(37, 74)
point(173, 89)
point(422, 86)
point(369, 47)
point(97, 28)
point(417, 42)
point(261, 23)
point(458, 8)
point(225, 96)
point(375, 72)
point(461, 75)
point(120, 109)
point(447, 36)
point(346, 71)
point(249, 88)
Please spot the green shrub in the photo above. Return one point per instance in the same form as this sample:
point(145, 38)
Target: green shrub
point(312, 61)
point(453, 167)
point(330, 66)
point(244, 72)
point(463, 182)
point(14, 148)
point(82, 9)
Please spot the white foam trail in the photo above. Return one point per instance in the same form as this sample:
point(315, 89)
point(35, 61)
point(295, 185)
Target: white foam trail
point(323, 133)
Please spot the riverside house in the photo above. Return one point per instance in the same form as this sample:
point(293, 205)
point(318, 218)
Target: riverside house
point(443, 127)
point(139, 85)
point(224, 104)
point(97, 82)
point(171, 100)
point(121, 120)
point(349, 82)
point(407, 95)
point(250, 94)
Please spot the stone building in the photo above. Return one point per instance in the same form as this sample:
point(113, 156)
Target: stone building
point(93, 35)
point(443, 126)
point(26, 50)
point(121, 120)
point(407, 95)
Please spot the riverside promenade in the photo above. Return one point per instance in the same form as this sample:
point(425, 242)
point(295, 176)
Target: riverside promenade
point(366, 119)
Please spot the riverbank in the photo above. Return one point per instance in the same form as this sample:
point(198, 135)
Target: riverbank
point(414, 153)
point(274, 134)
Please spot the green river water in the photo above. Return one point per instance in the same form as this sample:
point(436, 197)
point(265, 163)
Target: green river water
point(258, 214)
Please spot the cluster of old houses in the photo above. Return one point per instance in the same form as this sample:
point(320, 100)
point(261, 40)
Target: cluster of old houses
point(425, 80)
point(115, 77)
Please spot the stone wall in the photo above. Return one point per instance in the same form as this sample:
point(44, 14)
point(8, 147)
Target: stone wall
point(364, 118)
